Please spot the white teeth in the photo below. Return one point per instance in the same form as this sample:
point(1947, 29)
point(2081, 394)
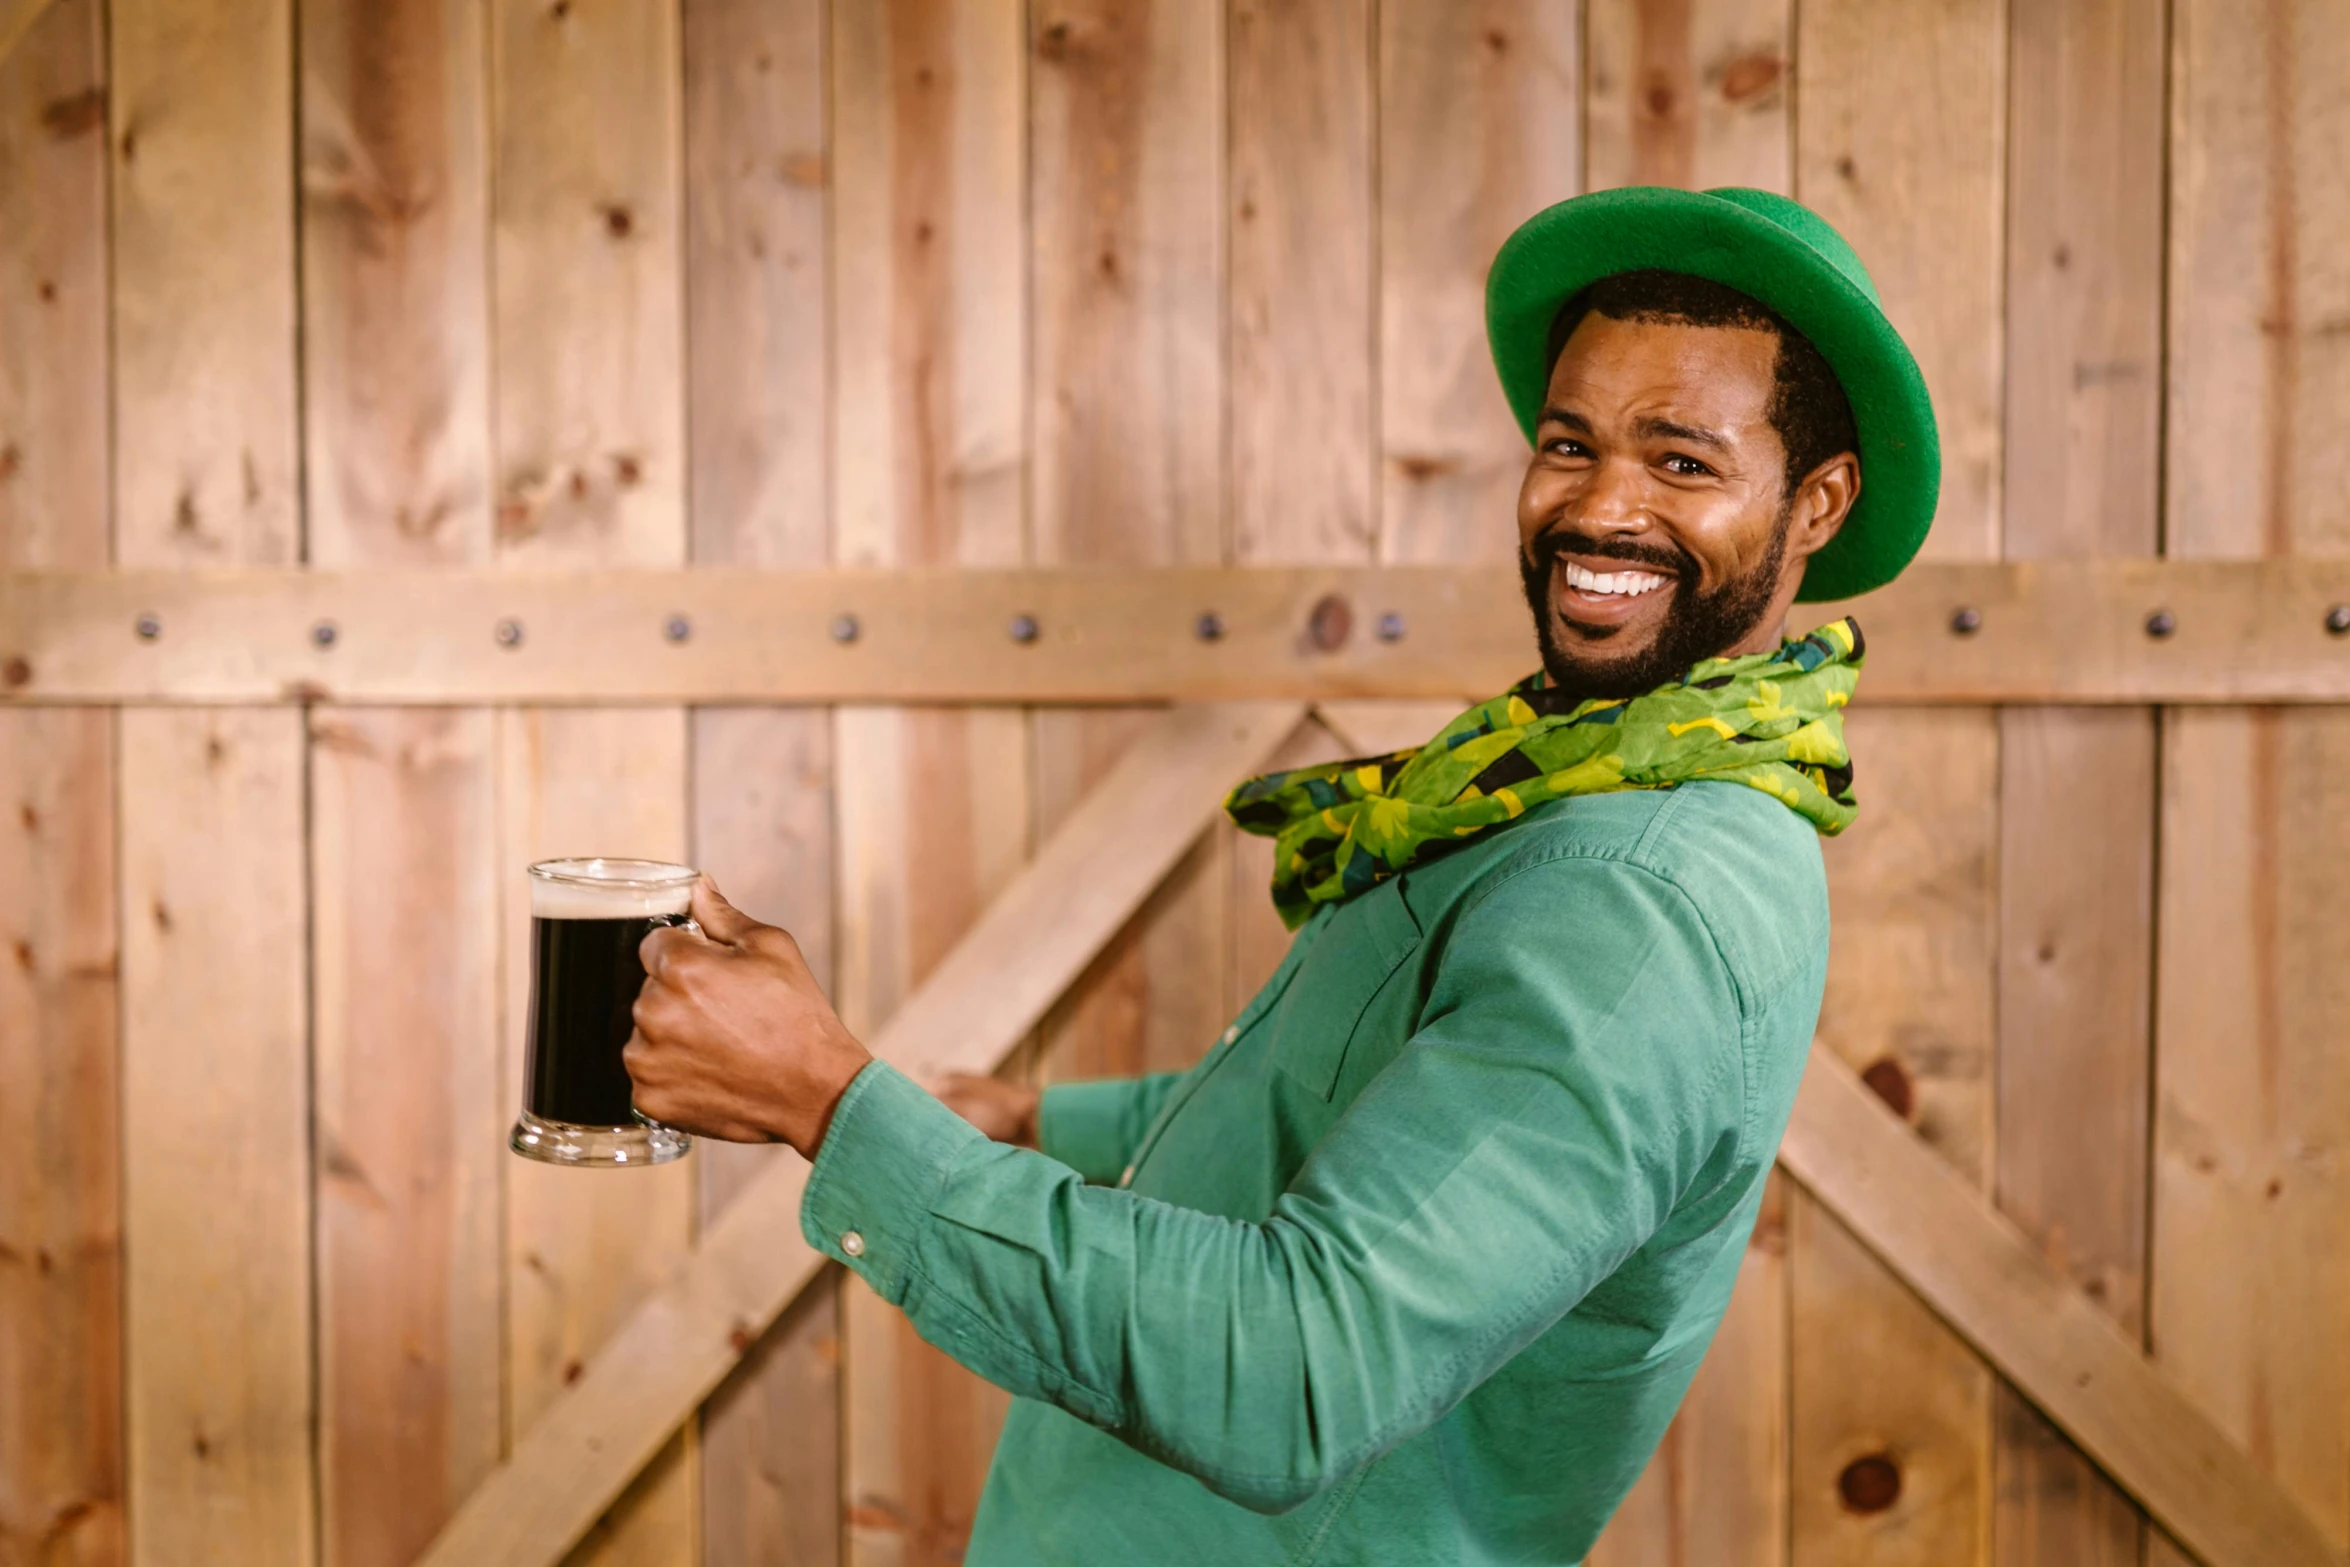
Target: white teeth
point(1629, 583)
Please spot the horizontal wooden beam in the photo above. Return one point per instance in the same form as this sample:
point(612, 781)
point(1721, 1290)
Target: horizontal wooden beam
point(2052, 631)
point(1985, 1278)
point(1028, 947)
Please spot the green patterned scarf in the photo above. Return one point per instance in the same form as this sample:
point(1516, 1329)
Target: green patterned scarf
point(1773, 720)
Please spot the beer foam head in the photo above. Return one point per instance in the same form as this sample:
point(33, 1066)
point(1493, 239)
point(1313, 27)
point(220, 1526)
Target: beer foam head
point(601, 889)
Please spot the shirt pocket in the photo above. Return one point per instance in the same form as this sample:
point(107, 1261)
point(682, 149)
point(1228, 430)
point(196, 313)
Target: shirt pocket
point(1358, 954)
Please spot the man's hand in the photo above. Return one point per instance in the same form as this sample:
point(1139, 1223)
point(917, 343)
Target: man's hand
point(733, 1037)
point(1006, 1112)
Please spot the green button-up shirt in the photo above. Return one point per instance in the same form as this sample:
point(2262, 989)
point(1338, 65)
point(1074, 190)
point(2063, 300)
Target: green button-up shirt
point(1415, 1265)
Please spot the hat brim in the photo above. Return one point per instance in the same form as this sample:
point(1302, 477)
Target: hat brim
point(1560, 251)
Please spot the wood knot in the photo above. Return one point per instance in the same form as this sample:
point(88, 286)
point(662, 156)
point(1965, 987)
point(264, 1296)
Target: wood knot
point(1869, 1484)
point(1890, 1081)
point(24, 954)
point(573, 1370)
point(1053, 42)
point(1331, 622)
point(1750, 76)
point(741, 1338)
point(619, 221)
point(16, 672)
point(1846, 168)
point(77, 115)
point(1497, 40)
point(1659, 100)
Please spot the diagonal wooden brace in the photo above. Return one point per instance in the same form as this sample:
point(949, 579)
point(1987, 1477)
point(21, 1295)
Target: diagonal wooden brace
point(1030, 945)
point(1984, 1277)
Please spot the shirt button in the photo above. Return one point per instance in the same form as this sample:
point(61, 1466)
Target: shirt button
point(1232, 1033)
point(1126, 1176)
point(852, 1243)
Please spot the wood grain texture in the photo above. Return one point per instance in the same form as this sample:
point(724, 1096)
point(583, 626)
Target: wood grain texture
point(1694, 93)
point(1302, 219)
point(410, 1121)
point(930, 466)
point(408, 1130)
point(1900, 127)
point(589, 410)
point(757, 270)
point(980, 1003)
point(1133, 214)
point(215, 1111)
point(586, 290)
point(1479, 128)
point(2077, 790)
point(1910, 1001)
point(200, 110)
point(1995, 1287)
point(2248, 1299)
point(61, 1455)
point(217, 1217)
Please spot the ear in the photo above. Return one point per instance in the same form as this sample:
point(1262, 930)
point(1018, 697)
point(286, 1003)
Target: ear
point(1822, 501)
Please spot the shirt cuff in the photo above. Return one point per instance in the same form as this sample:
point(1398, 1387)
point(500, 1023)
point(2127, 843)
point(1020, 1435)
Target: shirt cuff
point(1084, 1126)
point(885, 1158)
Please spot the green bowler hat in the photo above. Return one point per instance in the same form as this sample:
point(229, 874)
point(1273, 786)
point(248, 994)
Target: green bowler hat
point(1774, 250)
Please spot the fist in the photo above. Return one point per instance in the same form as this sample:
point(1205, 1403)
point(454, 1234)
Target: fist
point(734, 1038)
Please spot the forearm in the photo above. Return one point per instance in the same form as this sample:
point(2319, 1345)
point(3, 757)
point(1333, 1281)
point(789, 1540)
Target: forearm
point(1096, 1127)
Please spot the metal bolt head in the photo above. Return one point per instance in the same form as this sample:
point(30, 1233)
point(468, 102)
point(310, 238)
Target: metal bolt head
point(1023, 628)
point(149, 626)
point(509, 633)
point(1209, 627)
point(324, 633)
point(1966, 620)
point(845, 628)
point(1391, 627)
point(2338, 620)
point(2161, 623)
point(677, 628)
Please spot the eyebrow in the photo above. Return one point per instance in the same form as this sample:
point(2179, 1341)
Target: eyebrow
point(1669, 429)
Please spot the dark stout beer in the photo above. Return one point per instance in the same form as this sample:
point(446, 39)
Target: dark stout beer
point(588, 917)
point(585, 976)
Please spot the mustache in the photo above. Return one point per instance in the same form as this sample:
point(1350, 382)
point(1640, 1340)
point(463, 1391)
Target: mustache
point(1542, 555)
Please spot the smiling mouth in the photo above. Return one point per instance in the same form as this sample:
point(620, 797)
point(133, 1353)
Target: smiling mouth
point(1612, 584)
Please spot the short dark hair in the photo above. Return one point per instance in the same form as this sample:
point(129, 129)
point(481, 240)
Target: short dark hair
point(1808, 405)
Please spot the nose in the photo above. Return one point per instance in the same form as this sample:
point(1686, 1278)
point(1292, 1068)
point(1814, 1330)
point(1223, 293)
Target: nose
point(1614, 500)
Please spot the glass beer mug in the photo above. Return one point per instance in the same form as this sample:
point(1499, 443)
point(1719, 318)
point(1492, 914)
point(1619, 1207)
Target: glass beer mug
point(587, 918)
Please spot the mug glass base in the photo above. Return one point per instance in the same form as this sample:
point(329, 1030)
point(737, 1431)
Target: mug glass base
point(559, 1142)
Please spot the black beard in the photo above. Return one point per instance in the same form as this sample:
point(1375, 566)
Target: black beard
point(1697, 626)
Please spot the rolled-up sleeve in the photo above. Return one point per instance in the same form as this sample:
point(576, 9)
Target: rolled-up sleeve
point(1573, 1072)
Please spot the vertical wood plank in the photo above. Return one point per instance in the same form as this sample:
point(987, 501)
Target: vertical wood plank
point(1900, 133)
point(61, 1459)
point(215, 1104)
point(2077, 789)
point(408, 1135)
point(2250, 1285)
point(1480, 126)
point(216, 1189)
point(1694, 93)
point(929, 148)
point(1302, 253)
point(757, 264)
point(1130, 211)
point(589, 423)
point(1700, 94)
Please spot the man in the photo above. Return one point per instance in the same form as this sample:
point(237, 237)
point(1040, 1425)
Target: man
point(1416, 1264)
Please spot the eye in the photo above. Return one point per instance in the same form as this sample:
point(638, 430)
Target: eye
point(1565, 446)
point(1686, 466)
